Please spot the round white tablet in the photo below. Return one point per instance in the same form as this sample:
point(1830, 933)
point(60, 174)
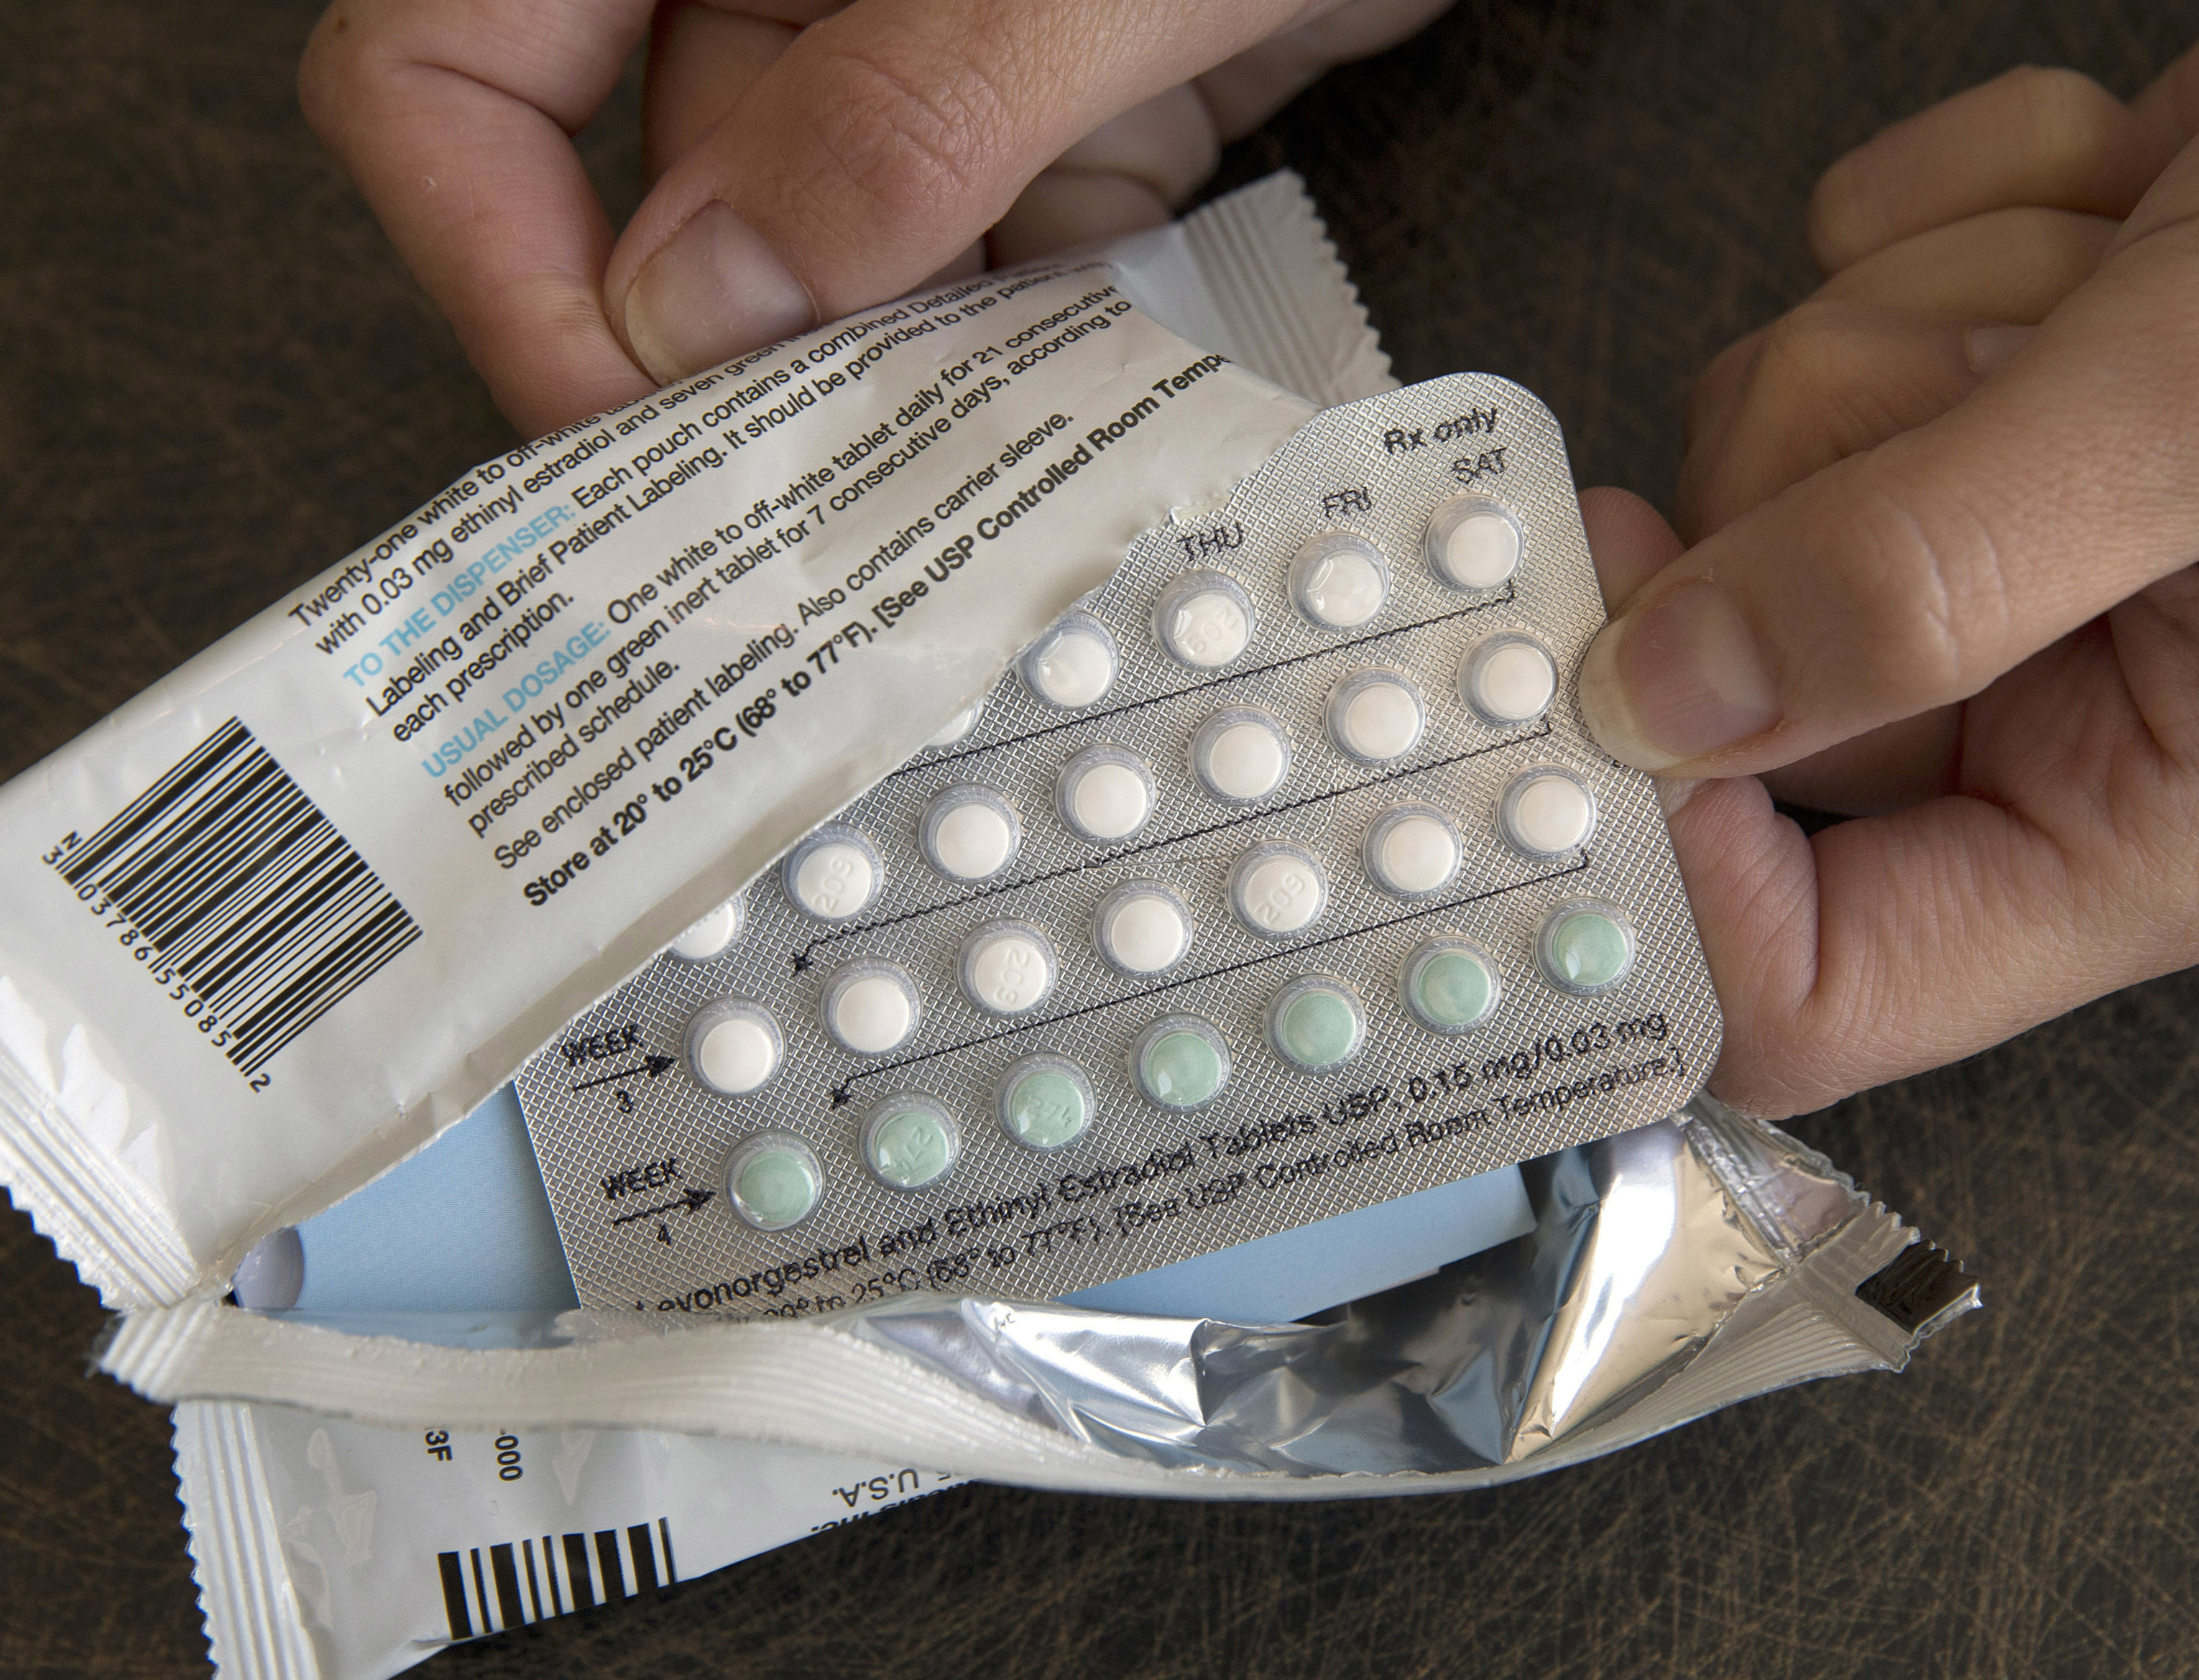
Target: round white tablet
point(1142, 927)
point(958, 728)
point(708, 936)
point(1339, 581)
point(1411, 851)
point(1375, 716)
point(1204, 619)
point(969, 833)
point(733, 1047)
point(870, 1006)
point(1278, 889)
point(835, 874)
point(1073, 664)
point(1105, 794)
point(1547, 811)
point(1507, 679)
point(1240, 754)
point(1007, 968)
point(1473, 543)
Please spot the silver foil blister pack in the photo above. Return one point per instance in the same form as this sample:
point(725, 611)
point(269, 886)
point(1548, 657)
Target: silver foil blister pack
point(1449, 937)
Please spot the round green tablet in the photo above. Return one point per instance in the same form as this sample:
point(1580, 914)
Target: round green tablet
point(1180, 1062)
point(1181, 1070)
point(1452, 988)
point(1317, 1028)
point(1046, 1110)
point(1044, 1101)
point(1586, 946)
point(909, 1148)
point(1449, 984)
point(775, 1184)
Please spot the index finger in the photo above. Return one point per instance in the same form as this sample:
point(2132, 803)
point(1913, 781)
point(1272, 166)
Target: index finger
point(455, 120)
point(1911, 575)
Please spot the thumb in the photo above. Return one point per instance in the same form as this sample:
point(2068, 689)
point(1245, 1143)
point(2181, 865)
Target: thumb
point(882, 142)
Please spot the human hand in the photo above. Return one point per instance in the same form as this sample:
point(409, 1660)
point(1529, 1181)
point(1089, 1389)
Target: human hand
point(808, 157)
point(1943, 576)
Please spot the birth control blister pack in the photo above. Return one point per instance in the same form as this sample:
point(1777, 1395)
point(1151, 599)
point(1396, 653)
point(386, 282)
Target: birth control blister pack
point(1279, 880)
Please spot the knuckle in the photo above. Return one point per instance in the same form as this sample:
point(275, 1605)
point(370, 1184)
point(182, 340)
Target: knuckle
point(912, 138)
point(1841, 206)
point(348, 54)
point(1807, 347)
point(2065, 115)
point(1920, 593)
point(1711, 401)
point(327, 68)
point(1814, 389)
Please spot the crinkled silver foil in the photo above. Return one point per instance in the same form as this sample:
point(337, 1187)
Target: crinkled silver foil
point(1708, 1247)
point(1673, 1269)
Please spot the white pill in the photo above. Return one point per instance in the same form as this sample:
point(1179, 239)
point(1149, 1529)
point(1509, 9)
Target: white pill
point(1110, 802)
point(958, 728)
point(737, 1056)
point(1204, 619)
point(733, 1047)
point(1546, 811)
point(1073, 664)
point(1007, 968)
point(1278, 889)
point(1473, 543)
point(970, 833)
point(871, 1007)
point(835, 874)
point(1507, 679)
point(1241, 755)
point(707, 936)
point(1411, 851)
point(1338, 580)
point(1142, 928)
point(1104, 793)
point(1375, 716)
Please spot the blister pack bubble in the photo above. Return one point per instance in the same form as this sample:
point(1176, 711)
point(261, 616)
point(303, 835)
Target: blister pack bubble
point(1281, 880)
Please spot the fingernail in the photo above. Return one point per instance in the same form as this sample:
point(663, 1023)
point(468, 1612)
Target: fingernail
point(715, 290)
point(1675, 679)
point(1989, 347)
point(1673, 793)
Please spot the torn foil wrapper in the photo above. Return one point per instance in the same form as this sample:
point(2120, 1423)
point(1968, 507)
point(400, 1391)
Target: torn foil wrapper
point(1673, 1270)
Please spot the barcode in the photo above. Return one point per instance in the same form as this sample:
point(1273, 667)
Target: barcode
point(245, 891)
point(487, 1589)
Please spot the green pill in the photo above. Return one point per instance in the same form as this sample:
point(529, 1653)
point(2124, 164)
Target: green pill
point(1449, 985)
point(1586, 946)
point(1180, 1062)
point(1316, 1022)
point(1453, 989)
point(1046, 1110)
point(774, 1181)
point(910, 1141)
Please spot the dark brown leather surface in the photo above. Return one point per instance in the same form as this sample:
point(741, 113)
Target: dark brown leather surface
point(215, 379)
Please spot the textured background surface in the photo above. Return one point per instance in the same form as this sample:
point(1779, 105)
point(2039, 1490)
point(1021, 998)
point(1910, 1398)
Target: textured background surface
point(216, 379)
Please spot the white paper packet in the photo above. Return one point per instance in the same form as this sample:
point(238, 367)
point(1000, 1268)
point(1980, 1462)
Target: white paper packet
point(330, 1550)
point(303, 904)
